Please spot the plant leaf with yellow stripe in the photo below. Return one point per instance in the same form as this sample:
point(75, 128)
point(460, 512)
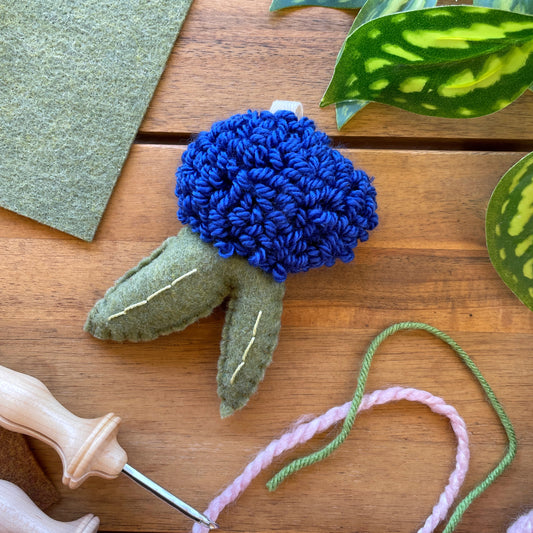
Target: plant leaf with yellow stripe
point(509, 229)
point(276, 5)
point(453, 61)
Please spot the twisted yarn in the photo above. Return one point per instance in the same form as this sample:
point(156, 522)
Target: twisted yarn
point(349, 412)
point(306, 431)
point(463, 505)
point(269, 188)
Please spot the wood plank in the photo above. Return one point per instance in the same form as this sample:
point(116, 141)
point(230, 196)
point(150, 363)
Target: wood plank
point(232, 56)
point(426, 261)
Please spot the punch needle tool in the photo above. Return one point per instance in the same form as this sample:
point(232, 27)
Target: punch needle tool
point(87, 447)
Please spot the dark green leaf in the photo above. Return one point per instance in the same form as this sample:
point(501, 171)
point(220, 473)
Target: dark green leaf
point(340, 4)
point(518, 6)
point(373, 9)
point(509, 229)
point(454, 61)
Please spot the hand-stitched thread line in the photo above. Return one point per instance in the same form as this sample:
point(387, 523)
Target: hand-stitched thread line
point(245, 354)
point(153, 295)
point(305, 431)
point(350, 418)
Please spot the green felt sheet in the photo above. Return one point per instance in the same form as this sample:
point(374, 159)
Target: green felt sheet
point(76, 77)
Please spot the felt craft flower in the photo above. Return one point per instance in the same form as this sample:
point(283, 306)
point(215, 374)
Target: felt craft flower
point(261, 195)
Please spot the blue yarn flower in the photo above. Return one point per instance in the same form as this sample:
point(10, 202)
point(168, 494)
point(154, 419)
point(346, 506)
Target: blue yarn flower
point(262, 195)
point(269, 187)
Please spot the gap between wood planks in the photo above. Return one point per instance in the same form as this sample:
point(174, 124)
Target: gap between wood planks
point(378, 143)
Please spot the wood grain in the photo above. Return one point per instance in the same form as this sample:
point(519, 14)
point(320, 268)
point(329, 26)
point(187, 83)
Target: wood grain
point(425, 261)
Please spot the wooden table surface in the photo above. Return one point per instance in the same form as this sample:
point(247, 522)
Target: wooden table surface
point(426, 261)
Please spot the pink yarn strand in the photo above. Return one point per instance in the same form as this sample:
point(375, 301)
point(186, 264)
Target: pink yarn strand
point(523, 525)
point(307, 430)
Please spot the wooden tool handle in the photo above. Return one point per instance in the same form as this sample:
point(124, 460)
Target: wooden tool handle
point(18, 514)
point(87, 447)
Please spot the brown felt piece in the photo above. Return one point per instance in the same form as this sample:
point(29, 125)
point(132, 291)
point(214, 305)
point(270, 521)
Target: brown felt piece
point(19, 465)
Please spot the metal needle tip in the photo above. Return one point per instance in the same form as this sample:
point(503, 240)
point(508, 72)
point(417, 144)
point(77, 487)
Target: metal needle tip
point(168, 497)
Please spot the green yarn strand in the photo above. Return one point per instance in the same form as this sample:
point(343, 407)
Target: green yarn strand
point(319, 455)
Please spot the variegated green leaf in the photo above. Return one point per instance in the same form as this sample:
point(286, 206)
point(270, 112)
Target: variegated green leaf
point(373, 9)
point(518, 6)
point(509, 229)
point(454, 61)
point(340, 4)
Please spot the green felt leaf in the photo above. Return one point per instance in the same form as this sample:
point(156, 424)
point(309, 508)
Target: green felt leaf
point(339, 4)
point(518, 6)
point(454, 61)
point(182, 281)
point(370, 11)
point(509, 229)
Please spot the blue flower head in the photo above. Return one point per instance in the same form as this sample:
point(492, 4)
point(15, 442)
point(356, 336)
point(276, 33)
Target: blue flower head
point(270, 188)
